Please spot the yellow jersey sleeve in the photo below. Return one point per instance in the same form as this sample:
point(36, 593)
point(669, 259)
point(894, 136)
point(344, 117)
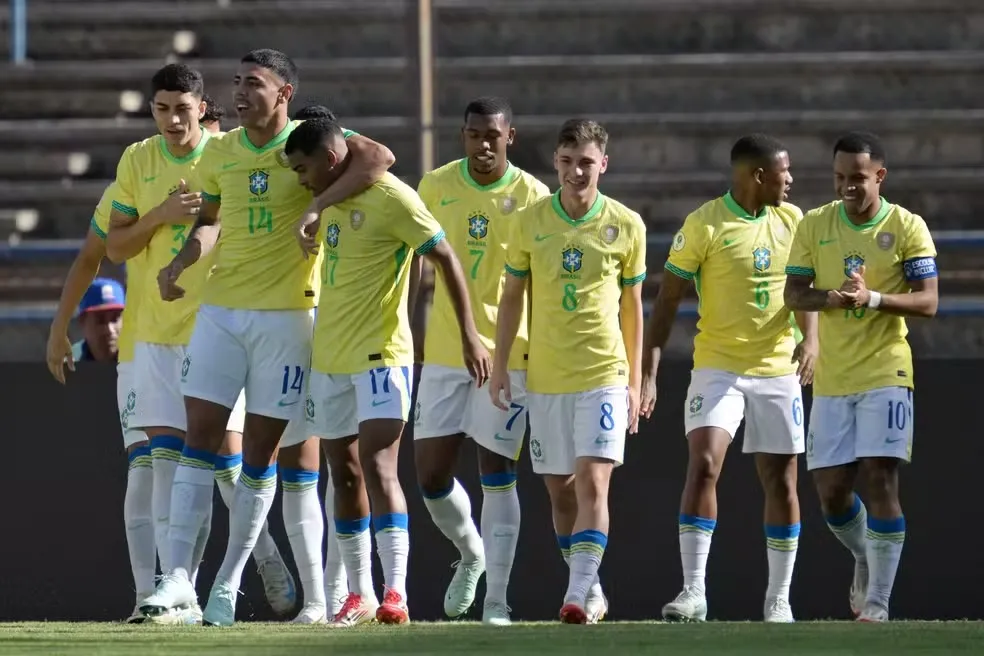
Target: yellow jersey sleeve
point(125, 196)
point(634, 261)
point(689, 248)
point(425, 190)
point(919, 252)
point(100, 217)
point(204, 178)
point(418, 229)
point(517, 250)
point(801, 262)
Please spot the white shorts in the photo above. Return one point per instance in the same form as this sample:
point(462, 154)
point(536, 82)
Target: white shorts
point(771, 407)
point(126, 399)
point(337, 404)
point(265, 352)
point(448, 403)
point(565, 427)
point(872, 424)
point(157, 381)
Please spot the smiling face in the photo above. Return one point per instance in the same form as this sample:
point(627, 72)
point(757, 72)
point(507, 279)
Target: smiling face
point(857, 180)
point(257, 94)
point(178, 115)
point(579, 166)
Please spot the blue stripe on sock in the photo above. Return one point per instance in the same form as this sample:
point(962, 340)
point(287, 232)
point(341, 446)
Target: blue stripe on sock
point(782, 532)
point(228, 462)
point(138, 452)
point(351, 526)
point(849, 516)
point(886, 526)
point(702, 523)
point(259, 473)
point(390, 521)
point(591, 536)
point(206, 457)
point(502, 479)
point(564, 542)
point(438, 495)
point(298, 475)
point(170, 442)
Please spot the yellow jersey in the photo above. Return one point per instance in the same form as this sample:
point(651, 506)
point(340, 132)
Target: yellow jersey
point(259, 265)
point(146, 175)
point(579, 267)
point(476, 219)
point(362, 319)
point(862, 349)
point(135, 270)
point(737, 262)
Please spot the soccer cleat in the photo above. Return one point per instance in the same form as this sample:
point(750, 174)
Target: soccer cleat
point(278, 584)
point(136, 617)
point(573, 614)
point(221, 607)
point(461, 591)
point(873, 614)
point(496, 613)
point(184, 616)
point(172, 592)
point(313, 613)
point(335, 605)
point(355, 611)
point(596, 607)
point(778, 611)
point(393, 610)
point(859, 587)
point(689, 606)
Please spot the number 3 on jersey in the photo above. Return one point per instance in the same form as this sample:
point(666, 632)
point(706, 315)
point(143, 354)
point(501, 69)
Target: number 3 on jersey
point(260, 220)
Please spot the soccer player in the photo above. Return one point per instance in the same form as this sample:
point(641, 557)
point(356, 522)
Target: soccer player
point(865, 264)
point(475, 199)
point(745, 364)
point(360, 385)
point(100, 315)
point(253, 329)
point(586, 254)
point(314, 111)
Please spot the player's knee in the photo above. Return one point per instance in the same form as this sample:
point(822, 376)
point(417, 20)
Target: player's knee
point(835, 489)
point(490, 462)
point(563, 496)
point(434, 484)
point(346, 476)
point(881, 481)
point(778, 476)
point(703, 468)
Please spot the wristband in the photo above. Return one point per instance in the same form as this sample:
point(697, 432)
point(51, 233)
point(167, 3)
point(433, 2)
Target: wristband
point(874, 301)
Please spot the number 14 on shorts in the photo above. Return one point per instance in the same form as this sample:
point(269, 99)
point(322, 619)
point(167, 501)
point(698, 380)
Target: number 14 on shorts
point(293, 380)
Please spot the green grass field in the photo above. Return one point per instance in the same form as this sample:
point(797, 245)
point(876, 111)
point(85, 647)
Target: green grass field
point(469, 639)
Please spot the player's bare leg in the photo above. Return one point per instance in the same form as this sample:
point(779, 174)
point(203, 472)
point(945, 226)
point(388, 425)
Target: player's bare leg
point(351, 512)
point(250, 506)
point(563, 507)
point(191, 503)
point(278, 582)
point(847, 519)
point(304, 522)
point(885, 536)
point(500, 531)
point(778, 475)
point(379, 449)
point(450, 508)
point(138, 519)
point(698, 518)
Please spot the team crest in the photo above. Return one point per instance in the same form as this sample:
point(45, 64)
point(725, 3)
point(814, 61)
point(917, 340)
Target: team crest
point(852, 263)
point(185, 366)
point(331, 235)
point(696, 403)
point(282, 159)
point(572, 260)
point(478, 226)
point(762, 258)
point(508, 204)
point(131, 400)
point(679, 241)
point(885, 240)
point(309, 408)
point(535, 449)
point(356, 219)
point(609, 234)
point(259, 182)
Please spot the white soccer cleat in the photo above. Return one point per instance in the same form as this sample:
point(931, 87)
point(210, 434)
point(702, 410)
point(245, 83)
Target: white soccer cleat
point(689, 606)
point(859, 587)
point(278, 584)
point(355, 611)
point(184, 616)
point(136, 617)
point(778, 611)
point(873, 614)
point(496, 613)
point(172, 592)
point(461, 591)
point(313, 613)
point(221, 607)
point(596, 607)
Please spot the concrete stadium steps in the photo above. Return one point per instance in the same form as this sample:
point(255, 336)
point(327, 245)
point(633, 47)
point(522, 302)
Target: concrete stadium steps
point(42, 165)
point(559, 27)
point(302, 28)
point(611, 84)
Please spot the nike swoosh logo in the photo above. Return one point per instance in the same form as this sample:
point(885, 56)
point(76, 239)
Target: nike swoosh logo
point(542, 237)
point(448, 201)
point(503, 439)
point(375, 403)
point(284, 404)
point(728, 242)
point(824, 242)
point(150, 179)
point(603, 440)
point(229, 166)
point(889, 440)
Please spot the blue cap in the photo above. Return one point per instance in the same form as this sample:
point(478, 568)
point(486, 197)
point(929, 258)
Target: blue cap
point(103, 294)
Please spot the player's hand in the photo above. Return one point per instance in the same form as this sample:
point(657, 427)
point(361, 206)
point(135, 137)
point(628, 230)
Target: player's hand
point(855, 289)
point(647, 400)
point(806, 353)
point(59, 355)
point(838, 300)
point(167, 281)
point(634, 408)
point(500, 388)
point(477, 360)
point(181, 206)
point(306, 232)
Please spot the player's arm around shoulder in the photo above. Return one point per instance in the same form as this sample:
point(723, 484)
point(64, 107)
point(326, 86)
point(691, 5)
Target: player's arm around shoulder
point(370, 161)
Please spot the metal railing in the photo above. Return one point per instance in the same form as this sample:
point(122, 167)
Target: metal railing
point(18, 31)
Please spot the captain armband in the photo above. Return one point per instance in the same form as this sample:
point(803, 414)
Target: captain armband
point(919, 268)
